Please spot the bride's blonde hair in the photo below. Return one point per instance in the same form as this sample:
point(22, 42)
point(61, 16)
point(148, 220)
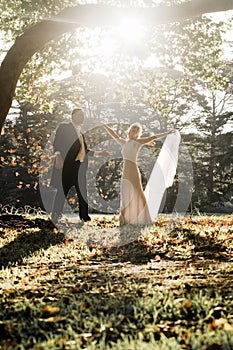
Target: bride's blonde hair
point(134, 130)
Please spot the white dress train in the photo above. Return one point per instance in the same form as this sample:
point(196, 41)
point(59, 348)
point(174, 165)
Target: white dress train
point(163, 173)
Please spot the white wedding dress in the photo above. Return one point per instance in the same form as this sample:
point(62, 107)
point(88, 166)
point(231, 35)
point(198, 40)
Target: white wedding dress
point(163, 173)
point(133, 208)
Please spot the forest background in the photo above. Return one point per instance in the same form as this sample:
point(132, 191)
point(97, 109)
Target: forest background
point(174, 75)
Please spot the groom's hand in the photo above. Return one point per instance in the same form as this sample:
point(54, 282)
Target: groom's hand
point(58, 160)
point(105, 153)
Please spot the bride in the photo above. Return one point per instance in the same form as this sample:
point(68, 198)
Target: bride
point(133, 208)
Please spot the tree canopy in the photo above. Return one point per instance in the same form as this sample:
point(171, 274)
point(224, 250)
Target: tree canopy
point(36, 36)
point(172, 74)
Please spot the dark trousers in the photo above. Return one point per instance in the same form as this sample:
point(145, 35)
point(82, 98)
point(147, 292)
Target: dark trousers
point(75, 176)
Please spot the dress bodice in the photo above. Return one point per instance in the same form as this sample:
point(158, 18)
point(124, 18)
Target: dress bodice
point(130, 150)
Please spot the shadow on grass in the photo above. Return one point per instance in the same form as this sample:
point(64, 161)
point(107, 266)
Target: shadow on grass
point(31, 236)
point(82, 317)
point(135, 252)
point(204, 247)
point(102, 308)
point(35, 234)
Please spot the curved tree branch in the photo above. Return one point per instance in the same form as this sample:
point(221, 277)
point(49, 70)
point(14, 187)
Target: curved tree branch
point(34, 39)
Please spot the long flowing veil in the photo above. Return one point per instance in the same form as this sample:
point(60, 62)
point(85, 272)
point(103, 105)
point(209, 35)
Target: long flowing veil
point(163, 173)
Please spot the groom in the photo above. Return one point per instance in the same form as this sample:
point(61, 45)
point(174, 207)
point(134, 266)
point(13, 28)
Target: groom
point(70, 165)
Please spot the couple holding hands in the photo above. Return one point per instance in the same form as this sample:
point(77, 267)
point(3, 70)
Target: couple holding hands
point(71, 161)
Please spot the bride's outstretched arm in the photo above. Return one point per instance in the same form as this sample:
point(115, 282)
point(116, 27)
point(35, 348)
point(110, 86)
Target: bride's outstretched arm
point(112, 133)
point(149, 140)
point(160, 136)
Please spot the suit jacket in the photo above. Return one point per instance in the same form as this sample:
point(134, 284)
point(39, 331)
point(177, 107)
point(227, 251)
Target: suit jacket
point(67, 142)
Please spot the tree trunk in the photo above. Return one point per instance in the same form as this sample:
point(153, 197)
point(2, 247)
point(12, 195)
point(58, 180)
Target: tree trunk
point(37, 36)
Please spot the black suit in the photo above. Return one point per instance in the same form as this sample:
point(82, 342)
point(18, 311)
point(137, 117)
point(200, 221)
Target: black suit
point(73, 172)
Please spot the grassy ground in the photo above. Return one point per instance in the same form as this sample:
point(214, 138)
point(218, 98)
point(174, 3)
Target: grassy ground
point(164, 287)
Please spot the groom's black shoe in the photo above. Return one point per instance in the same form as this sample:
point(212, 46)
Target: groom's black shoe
point(87, 218)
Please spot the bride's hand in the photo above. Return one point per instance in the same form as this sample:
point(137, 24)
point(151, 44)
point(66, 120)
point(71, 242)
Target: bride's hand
point(98, 123)
point(151, 143)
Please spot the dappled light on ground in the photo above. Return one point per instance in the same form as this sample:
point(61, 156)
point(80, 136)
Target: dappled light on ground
point(169, 288)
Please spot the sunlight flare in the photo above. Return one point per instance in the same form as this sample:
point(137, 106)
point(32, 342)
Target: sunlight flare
point(130, 30)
